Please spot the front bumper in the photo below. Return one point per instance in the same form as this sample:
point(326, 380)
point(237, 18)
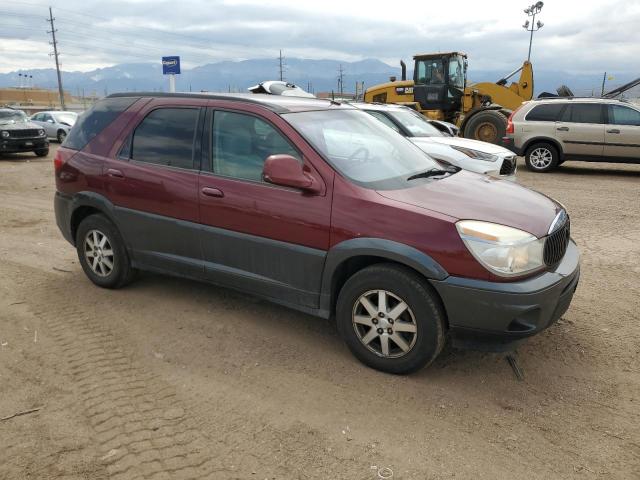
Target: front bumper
point(495, 316)
point(17, 145)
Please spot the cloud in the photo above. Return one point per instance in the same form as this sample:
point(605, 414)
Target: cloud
point(577, 37)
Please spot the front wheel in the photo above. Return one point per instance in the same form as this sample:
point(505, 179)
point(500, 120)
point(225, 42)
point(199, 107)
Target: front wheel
point(61, 136)
point(102, 253)
point(42, 152)
point(390, 319)
point(541, 157)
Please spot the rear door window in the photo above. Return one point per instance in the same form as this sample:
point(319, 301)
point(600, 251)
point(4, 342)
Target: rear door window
point(96, 119)
point(619, 115)
point(548, 112)
point(583, 113)
point(166, 136)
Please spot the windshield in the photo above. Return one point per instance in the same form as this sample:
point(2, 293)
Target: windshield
point(456, 72)
point(362, 148)
point(416, 123)
point(68, 118)
point(12, 116)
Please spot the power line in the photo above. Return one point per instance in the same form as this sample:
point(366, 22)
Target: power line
point(55, 53)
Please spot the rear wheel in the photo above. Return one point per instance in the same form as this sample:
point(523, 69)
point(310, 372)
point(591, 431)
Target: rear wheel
point(488, 126)
point(42, 152)
point(102, 252)
point(390, 319)
point(61, 136)
point(542, 157)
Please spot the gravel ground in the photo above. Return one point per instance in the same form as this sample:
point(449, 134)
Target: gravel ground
point(175, 379)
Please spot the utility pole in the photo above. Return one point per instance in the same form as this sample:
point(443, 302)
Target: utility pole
point(55, 54)
point(281, 61)
point(341, 81)
point(604, 79)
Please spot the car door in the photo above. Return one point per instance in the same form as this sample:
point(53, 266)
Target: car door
point(259, 237)
point(581, 130)
point(622, 134)
point(152, 182)
point(49, 125)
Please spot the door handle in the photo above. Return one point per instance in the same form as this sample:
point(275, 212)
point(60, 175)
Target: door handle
point(112, 172)
point(563, 129)
point(212, 192)
point(613, 130)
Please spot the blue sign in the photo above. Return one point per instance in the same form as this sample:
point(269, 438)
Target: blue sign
point(170, 65)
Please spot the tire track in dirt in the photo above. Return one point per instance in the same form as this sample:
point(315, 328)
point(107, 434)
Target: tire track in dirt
point(141, 428)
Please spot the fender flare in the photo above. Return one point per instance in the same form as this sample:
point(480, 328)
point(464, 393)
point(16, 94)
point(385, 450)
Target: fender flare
point(374, 247)
point(94, 200)
point(550, 140)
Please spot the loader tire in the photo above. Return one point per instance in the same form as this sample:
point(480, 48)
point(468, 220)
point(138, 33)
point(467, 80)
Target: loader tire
point(488, 126)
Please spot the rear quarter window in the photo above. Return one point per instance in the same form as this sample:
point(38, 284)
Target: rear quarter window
point(96, 119)
point(549, 112)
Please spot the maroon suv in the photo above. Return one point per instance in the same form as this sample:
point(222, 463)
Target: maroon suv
point(318, 206)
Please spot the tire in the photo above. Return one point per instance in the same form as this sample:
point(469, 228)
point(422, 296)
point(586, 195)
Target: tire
point(61, 136)
point(487, 125)
point(541, 157)
point(423, 321)
point(42, 152)
point(91, 231)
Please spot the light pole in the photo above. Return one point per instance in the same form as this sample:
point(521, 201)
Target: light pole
point(532, 26)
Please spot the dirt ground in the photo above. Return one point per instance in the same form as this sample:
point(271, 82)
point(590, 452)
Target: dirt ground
point(175, 379)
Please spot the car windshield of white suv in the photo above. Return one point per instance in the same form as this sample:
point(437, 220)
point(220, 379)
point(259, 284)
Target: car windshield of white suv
point(66, 118)
point(362, 148)
point(417, 124)
point(12, 116)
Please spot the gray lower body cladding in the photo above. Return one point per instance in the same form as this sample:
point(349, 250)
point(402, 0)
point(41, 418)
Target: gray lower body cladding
point(493, 315)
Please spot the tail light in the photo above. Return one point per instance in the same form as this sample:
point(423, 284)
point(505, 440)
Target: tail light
point(510, 128)
point(62, 156)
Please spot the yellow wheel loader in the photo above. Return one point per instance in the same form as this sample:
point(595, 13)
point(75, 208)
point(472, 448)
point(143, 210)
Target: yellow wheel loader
point(439, 90)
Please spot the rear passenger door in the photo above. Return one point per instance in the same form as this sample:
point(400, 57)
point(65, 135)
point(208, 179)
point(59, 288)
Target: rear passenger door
point(259, 237)
point(153, 183)
point(581, 130)
point(622, 135)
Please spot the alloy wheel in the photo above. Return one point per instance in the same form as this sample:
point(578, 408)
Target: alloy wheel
point(540, 158)
point(98, 253)
point(384, 323)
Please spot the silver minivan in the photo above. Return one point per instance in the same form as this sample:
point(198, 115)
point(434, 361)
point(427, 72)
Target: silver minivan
point(549, 131)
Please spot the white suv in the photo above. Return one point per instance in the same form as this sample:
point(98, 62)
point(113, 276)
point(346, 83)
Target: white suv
point(548, 132)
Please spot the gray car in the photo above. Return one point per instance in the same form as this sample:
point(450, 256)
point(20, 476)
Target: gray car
point(56, 124)
point(548, 132)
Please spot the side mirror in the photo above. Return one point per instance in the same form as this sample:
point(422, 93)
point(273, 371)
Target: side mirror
point(288, 171)
point(50, 121)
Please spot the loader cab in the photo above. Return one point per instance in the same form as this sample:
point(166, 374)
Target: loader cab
point(439, 82)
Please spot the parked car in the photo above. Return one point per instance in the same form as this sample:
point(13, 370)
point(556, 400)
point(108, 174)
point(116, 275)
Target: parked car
point(278, 87)
point(56, 124)
point(318, 206)
point(548, 132)
point(472, 155)
point(19, 134)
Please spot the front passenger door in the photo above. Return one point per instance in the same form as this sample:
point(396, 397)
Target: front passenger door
point(622, 135)
point(259, 237)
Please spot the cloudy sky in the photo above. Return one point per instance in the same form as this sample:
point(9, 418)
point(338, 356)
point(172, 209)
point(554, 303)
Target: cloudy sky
point(578, 36)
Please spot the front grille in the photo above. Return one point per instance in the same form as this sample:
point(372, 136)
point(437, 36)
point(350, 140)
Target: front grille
point(556, 243)
point(508, 166)
point(28, 133)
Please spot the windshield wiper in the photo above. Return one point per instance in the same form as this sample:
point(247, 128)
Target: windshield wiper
point(433, 172)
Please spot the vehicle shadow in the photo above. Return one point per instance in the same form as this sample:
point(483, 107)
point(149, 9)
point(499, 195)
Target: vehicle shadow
point(611, 170)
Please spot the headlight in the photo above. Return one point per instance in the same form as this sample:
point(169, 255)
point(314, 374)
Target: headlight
point(475, 154)
point(5, 134)
point(503, 250)
point(41, 133)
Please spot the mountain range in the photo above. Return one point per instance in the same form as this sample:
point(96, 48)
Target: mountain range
point(314, 75)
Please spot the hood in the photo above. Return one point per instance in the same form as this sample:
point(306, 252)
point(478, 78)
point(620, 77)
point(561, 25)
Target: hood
point(469, 196)
point(465, 143)
point(19, 125)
